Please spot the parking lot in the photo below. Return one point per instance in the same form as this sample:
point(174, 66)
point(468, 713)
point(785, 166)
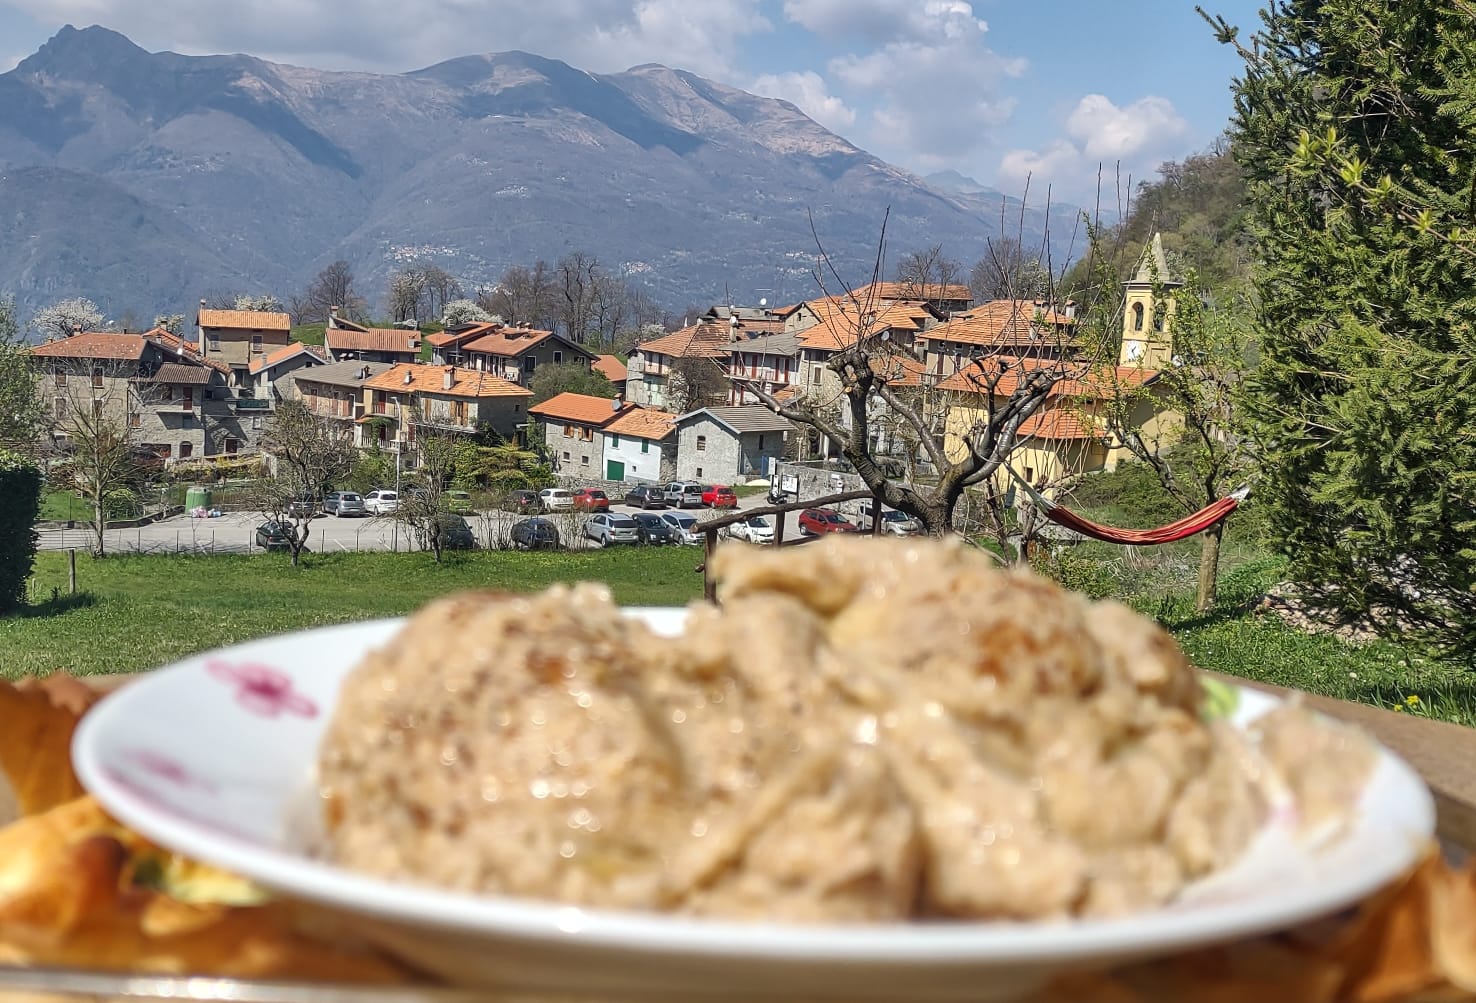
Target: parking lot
point(235, 532)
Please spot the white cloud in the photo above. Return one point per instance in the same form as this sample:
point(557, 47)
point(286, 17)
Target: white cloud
point(1120, 142)
point(880, 21)
point(808, 91)
point(390, 35)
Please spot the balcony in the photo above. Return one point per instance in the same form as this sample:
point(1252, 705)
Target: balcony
point(252, 404)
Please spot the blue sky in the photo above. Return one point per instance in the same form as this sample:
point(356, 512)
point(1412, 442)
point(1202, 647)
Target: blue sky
point(996, 89)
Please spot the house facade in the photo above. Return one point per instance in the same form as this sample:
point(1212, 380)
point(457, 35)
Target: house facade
point(515, 353)
point(405, 397)
point(1013, 328)
point(346, 341)
point(335, 390)
point(446, 346)
point(237, 337)
point(274, 373)
point(729, 444)
point(771, 361)
point(573, 430)
point(640, 446)
point(650, 364)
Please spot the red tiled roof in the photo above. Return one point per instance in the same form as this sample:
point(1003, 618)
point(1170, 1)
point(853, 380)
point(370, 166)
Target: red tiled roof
point(1058, 423)
point(443, 338)
point(840, 320)
point(642, 423)
point(431, 380)
point(581, 408)
point(913, 291)
point(1075, 379)
point(507, 342)
point(249, 320)
point(182, 346)
point(900, 370)
point(371, 339)
point(612, 367)
point(94, 345)
point(699, 341)
point(1005, 324)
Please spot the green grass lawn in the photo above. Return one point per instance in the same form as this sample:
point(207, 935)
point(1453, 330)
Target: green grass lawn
point(140, 612)
point(62, 505)
point(309, 334)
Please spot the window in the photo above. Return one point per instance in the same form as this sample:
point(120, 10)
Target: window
point(231, 446)
point(558, 358)
point(701, 442)
point(529, 364)
point(214, 341)
point(187, 419)
point(587, 434)
point(256, 344)
point(814, 374)
point(1030, 475)
point(615, 442)
point(1158, 319)
point(97, 407)
point(568, 431)
point(517, 408)
point(186, 450)
point(59, 407)
point(187, 398)
point(645, 446)
point(699, 473)
point(61, 379)
point(97, 379)
point(584, 461)
point(566, 457)
point(761, 440)
point(256, 421)
point(425, 408)
point(1137, 316)
point(135, 420)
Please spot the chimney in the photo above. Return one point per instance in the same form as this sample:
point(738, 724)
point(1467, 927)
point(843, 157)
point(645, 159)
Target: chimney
point(615, 405)
point(448, 378)
point(364, 373)
point(200, 329)
point(409, 377)
point(412, 343)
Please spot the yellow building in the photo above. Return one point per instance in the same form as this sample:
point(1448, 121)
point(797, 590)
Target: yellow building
point(1147, 341)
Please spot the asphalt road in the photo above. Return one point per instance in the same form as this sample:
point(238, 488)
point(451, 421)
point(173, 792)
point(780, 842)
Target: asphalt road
point(234, 533)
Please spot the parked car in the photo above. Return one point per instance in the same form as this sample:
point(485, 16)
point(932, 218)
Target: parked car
point(591, 500)
point(382, 501)
point(456, 533)
point(303, 504)
point(536, 533)
point(522, 501)
point(683, 494)
point(610, 528)
point(688, 529)
point(892, 521)
point(342, 503)
point(459, 502)
point(556, 500)
point(817, 521)
point(273, 535)
point(651, 528)
point(645, 496)
point(754, 529)
point(719, 496)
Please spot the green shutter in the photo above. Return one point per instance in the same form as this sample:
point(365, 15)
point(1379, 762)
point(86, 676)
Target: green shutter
point(645, 445)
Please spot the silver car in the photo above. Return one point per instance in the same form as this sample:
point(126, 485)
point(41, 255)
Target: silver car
point(342, 503)
point(892, 522)
point(688, 529)
point(611, 528)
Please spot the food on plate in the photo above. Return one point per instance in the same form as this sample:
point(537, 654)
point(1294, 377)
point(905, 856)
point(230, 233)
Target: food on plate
point(864, 729)
point(79, 889)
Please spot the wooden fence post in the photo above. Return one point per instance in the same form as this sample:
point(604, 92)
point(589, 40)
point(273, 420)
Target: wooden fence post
point(709, 587)
point(72, 571)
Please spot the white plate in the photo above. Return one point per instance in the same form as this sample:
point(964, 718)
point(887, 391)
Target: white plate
point(213, 757)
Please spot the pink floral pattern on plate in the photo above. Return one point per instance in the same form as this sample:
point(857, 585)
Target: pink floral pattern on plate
point(155, 767)
point(263, 690)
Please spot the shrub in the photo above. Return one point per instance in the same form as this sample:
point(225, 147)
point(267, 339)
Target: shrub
point(20, 486)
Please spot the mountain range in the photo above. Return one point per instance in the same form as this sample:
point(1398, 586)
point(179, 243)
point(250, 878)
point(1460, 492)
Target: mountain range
point(147, 180)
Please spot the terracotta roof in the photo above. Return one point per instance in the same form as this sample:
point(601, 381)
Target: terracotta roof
point(286, 353)
point(443, 338)
point(511, 342)
point(900, 370)
point(841, 320)
point(184, 347)
point(913, 291)
point(181, 373)
point(254, 320)
point(371, 339)
point(94, 345)
point(1005, 324)
point(698, 341)
point(581, 408)
point(1058, 423)
point(642, 423)
point(1076, 379)
point(431, 380)
point(612, 367)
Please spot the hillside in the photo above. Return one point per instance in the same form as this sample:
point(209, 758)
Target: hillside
point(206, 172)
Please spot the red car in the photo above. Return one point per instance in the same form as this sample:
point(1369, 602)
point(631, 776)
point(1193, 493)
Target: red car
point(719, 496)
point(814, 521)
point(591, 500)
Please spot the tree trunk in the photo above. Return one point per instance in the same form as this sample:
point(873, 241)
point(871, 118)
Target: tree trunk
point(1209, 567)
point(99, 525)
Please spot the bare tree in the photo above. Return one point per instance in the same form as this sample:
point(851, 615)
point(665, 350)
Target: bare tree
point(694, 384)
point(406, 294)
point(965, 448)
point(310, 455)
point(523, 296)
point(333, 287)
point(1008, 271)
point(441, 287)
point(422, 509)
point(925, 273)
point(577, 274)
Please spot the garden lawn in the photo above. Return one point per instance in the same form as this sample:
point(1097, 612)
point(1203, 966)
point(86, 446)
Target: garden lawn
point(135, 613)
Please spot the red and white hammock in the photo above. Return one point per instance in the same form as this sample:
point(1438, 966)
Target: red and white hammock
point(1184, 528)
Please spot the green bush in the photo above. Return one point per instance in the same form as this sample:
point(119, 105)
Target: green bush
point(20, 486)
point(504, 481)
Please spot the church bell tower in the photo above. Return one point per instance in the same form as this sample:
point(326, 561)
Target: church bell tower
point(1147, 327)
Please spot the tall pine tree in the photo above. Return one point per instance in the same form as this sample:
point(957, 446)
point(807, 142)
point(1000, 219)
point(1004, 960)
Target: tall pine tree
point(1355, 122)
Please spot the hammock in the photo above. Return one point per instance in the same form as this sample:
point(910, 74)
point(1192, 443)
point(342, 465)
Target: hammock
point(1184, 528)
